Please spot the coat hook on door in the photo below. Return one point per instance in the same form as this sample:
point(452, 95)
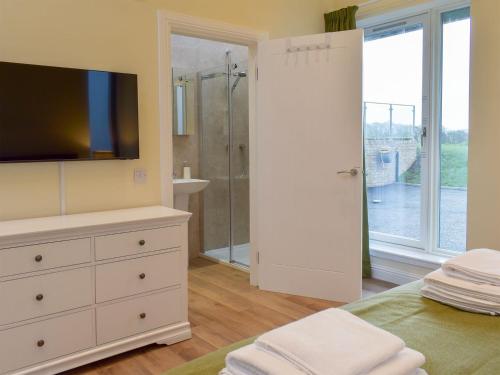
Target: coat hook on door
point(309, 47)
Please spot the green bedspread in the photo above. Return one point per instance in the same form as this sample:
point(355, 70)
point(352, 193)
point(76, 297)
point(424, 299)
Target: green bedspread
point(454, 342)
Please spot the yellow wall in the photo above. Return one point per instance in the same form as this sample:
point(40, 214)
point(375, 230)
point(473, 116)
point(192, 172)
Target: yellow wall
point(484, 146)
point(115, 35)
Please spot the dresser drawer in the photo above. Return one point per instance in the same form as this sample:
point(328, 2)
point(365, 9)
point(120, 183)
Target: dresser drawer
point(36, 296)
point(129, 277)
point(130, 243)
point(42, 341)
point(17, 260)
point(139, 315)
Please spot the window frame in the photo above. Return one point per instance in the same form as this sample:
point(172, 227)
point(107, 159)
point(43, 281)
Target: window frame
point(436, 131)
point(419, 244)
point(432, 74)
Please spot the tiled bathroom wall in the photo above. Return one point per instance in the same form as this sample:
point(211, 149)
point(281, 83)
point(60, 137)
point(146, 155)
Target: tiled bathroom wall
point(215, 162)
point(186, 152)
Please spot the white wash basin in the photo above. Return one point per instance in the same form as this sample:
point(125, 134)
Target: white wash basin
point(183, 187)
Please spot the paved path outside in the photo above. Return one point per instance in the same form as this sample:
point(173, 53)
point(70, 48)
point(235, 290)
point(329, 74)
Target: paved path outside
point(398, 213)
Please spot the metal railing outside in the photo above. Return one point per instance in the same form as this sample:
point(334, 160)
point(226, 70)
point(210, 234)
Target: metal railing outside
point(391, 107)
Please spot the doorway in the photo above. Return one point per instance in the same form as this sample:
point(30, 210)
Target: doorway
point(211, 138)
point(174, 23)
point(294, 237)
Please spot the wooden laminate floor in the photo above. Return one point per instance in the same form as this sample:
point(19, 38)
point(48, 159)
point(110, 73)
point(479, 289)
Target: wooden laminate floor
point(223, 308)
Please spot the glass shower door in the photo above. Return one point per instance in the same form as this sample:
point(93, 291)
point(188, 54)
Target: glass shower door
point(214, 120)
point(239, 167)
point(223, 104)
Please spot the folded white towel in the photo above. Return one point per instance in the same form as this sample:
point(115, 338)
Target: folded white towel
point(250, 360)
point(482, 303)
point(450, 284)
point(419, 371)
point(406, 362)
point(460, 303)
point(480, 266)
point(332, 339)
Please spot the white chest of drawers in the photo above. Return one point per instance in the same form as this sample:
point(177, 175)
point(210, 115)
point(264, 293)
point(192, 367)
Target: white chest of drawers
point(78, 288)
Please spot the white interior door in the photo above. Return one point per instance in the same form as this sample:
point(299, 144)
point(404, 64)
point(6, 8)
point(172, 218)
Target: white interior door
point(309, 128)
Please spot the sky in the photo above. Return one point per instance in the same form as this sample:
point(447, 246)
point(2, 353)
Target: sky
point(393, 74)
point(456, 47)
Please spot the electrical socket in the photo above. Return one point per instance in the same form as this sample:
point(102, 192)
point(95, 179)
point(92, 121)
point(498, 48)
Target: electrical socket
point(140, 175)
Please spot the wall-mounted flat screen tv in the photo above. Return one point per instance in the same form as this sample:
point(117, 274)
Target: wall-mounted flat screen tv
point(53, 114)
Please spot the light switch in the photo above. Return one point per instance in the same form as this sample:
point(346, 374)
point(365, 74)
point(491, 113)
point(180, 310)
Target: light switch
point(140, 175)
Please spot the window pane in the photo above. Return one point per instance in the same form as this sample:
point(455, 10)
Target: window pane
point(393, 122)
point(454, 129)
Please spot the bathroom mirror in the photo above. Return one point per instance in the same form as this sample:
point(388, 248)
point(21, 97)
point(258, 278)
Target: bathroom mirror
point(183, 107)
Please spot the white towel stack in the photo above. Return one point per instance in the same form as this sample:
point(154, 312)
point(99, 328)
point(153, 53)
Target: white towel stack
point(329, 342)
point(470, 282)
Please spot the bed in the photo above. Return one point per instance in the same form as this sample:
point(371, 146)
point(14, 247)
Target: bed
point(454, 342)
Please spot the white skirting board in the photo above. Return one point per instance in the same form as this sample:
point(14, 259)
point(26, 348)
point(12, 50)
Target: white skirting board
point(398, 272)
point(393, 275)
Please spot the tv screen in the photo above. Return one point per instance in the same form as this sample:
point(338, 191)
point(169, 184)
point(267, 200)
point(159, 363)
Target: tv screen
point(50, 114)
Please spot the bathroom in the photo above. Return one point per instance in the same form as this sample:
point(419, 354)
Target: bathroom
point(211, 146)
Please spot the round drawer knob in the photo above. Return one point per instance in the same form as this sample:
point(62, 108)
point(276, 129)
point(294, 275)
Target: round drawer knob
point(142, 315)
point(38, 258)
point(142, 276)
point(142, 242)
point(40, 343)
point(39, 297)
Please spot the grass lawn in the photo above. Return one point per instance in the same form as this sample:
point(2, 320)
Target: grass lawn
point(453, 167)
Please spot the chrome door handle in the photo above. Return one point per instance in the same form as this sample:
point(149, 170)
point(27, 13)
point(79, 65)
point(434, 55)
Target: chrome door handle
point(353, 172)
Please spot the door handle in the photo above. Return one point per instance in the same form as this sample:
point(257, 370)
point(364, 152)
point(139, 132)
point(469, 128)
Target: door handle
point(423, 135)
point(353, 172)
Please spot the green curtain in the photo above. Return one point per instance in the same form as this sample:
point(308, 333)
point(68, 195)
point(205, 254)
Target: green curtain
point(341, 20)
point(367, 264)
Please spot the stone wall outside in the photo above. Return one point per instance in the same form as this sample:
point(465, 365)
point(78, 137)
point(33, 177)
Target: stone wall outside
point(380, 173)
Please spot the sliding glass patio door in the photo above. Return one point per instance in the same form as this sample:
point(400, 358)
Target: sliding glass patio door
point(396, 113)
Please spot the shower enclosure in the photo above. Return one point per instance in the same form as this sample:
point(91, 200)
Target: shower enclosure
point(223, 119)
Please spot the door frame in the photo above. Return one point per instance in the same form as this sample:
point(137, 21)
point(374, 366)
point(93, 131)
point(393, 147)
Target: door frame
point(177, 23)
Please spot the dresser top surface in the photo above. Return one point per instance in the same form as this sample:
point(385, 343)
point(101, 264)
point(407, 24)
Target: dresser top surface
point(13, 228)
